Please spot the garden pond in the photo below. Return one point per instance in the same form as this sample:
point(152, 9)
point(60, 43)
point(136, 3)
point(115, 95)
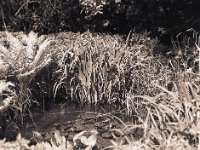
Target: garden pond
point(70, 119)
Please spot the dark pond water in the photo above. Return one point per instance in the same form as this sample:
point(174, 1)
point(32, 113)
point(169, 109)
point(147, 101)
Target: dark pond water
point(70, 112)
point(71, 119)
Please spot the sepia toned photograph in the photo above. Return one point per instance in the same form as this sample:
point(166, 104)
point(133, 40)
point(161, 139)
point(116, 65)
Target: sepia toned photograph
point(99, 74)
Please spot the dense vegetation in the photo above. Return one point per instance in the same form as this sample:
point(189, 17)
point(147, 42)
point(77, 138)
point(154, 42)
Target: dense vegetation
point(160, 92)
point(116, 16)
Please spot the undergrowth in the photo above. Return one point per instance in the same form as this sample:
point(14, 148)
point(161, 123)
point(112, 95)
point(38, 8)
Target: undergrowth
point(21, 60)
point(162, 93)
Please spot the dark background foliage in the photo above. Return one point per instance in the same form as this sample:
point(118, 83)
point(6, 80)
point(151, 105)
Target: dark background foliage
point(161, 17)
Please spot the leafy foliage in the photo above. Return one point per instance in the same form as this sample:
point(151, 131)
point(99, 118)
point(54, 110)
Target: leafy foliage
point(57, 142)
point(23, 59)
point(118, 16)
point(43, 16)
point(7, 97)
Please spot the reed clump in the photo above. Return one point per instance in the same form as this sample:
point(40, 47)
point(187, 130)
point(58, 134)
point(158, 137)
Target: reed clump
point(161, 93)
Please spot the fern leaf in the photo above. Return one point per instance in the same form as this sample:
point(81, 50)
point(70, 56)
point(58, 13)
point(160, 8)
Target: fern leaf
point(31, 41)
point(40, 54)
point(15, 43)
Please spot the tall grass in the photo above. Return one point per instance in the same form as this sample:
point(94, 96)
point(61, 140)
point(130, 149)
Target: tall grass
point(170, 118)
point(103, 68)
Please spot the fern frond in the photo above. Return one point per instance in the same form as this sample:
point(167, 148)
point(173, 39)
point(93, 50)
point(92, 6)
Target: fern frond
point(31, 42)
point(15, 43)
point(41, 52)
point(35, 70)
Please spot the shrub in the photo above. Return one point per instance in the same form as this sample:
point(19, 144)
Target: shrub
point(117, 16)
point(41, 16)
point(23, 58)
